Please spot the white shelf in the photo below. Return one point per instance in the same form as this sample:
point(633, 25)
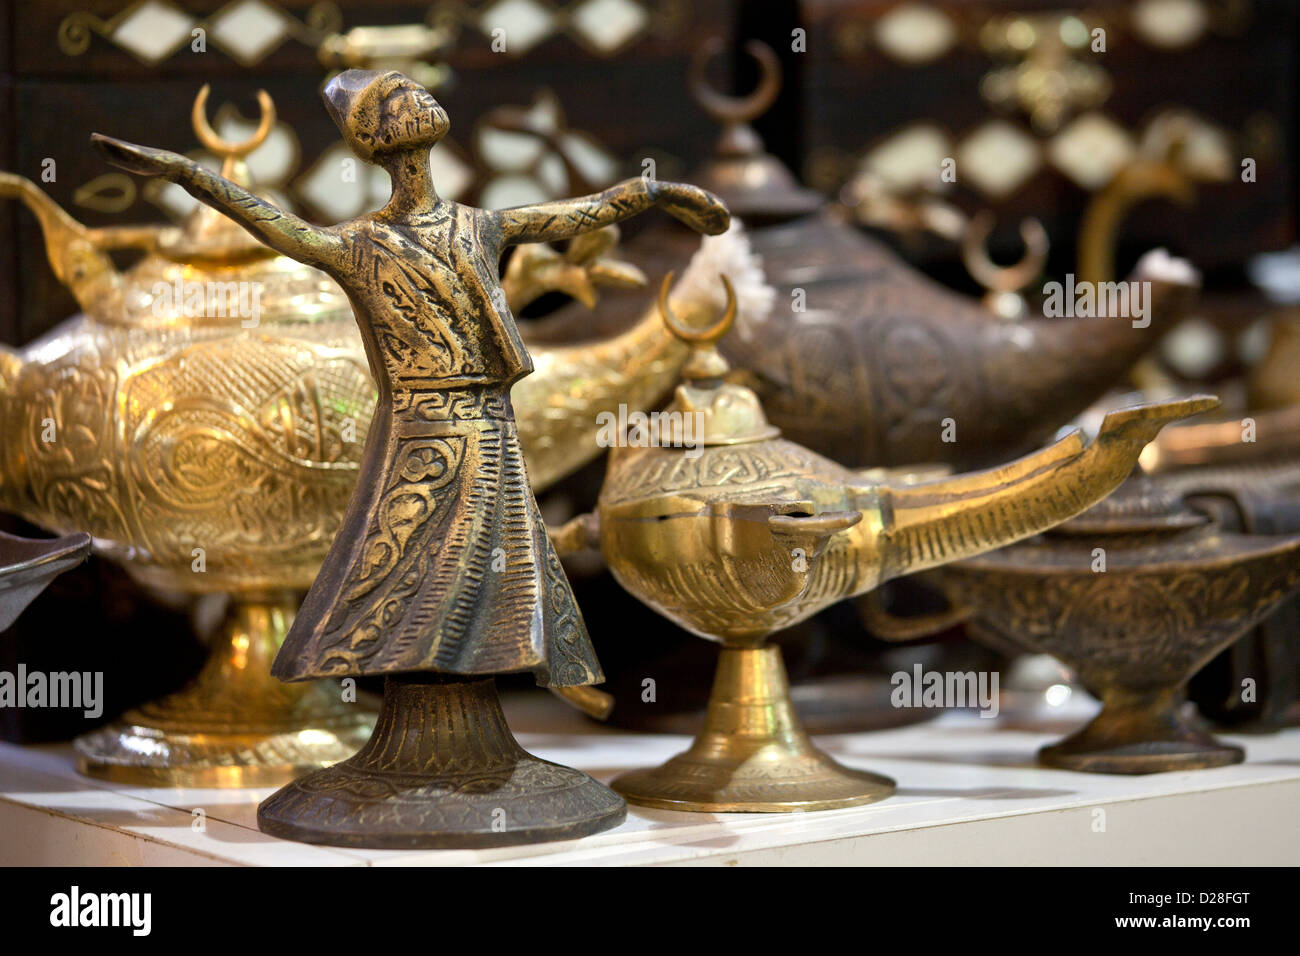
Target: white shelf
point(969, 793)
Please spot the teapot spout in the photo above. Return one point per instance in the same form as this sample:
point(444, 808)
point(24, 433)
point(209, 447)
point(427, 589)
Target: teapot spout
point(937, 522)
point(77, 255)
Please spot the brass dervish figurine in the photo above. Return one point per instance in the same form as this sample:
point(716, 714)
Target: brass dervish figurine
point(442, 573)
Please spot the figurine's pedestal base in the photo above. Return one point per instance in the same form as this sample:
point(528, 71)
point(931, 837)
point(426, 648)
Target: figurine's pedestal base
point(235, 725)
point(752, 755)
point(1140, 734)
point(441, 770)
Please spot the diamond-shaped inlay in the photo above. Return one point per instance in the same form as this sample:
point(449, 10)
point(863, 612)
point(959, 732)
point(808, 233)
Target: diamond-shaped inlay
point(1204, 149)
point(336, 186)
point(1194, 347)
point(1091, 150)
point(507, 149)
point(451, 175)
point(524, 24)
point(249, 30)
point(153, 31)
point(608, 24)
point(915, 33)
point(910, 159)
point(1170, 23)
point(274, 160)
point(505, 192)
point(997, 158)
point(175, 200)
point(596, 165)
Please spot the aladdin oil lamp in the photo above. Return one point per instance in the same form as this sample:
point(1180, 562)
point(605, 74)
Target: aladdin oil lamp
point(735, 533)
point(1136, 595)
point(865, 359)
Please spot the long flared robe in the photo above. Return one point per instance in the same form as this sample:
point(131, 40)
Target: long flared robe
point(442, 562)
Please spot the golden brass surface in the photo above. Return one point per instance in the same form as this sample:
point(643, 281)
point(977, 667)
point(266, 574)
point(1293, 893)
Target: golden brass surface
point(734, 534)
point(442, 572)
point(207, 446)
point(752, 754)
point(234, 725)
point(1171, 591)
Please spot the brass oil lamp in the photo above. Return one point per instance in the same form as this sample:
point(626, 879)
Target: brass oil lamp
point(1136, 595)
point(862, 357)
point(735, 533)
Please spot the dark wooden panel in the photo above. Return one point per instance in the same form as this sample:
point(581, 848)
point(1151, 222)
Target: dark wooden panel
point(853, 100)
point(634, 103)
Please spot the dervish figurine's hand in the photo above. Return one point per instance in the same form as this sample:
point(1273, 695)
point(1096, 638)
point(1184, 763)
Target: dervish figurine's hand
point(142, 160)
point(696, 207)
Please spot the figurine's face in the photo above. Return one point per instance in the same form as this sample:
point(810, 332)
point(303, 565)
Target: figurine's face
point(410, 118)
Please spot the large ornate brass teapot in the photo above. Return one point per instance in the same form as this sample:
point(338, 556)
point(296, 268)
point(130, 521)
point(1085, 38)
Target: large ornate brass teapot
point(735, 533)
point(203, 421)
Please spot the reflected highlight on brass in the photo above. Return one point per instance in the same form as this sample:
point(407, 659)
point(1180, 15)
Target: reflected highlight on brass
point(209, 450)
point(27, 565)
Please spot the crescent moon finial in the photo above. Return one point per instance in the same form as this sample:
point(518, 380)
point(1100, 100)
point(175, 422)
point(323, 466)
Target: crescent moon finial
point(702, 336)
point(1003, 278)
point(735, 109)
point(223, 147)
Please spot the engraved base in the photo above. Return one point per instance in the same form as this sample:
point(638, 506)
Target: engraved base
point(752, 755)
point(1140, 733)
point(235, 725)
point(442, 771)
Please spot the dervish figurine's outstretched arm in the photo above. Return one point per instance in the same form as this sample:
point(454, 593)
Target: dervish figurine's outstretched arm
point(566, 218)
point(282, 231)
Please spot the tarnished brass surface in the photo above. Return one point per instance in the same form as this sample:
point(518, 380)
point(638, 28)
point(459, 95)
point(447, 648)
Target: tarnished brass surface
point(442, 770)
point(863, 358)
point(442, 564)
point(1175, 590)
point(741, 533)
point(27, 565)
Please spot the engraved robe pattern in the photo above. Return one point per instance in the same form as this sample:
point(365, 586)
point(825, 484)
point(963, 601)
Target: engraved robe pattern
point(444, 560)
